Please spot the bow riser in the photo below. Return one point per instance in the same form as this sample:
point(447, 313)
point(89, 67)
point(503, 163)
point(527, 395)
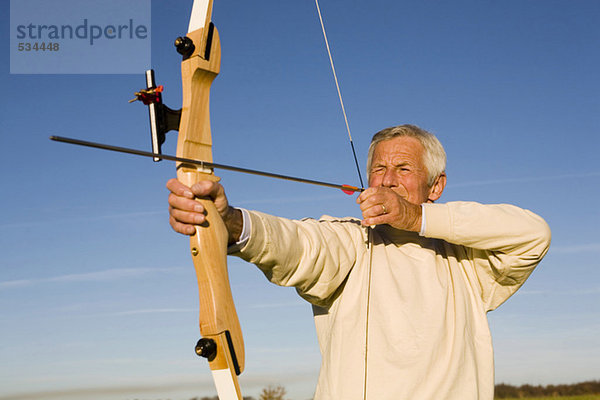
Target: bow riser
point(197, 75)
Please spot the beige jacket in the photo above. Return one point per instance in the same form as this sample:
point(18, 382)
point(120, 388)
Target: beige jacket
point(401, 316)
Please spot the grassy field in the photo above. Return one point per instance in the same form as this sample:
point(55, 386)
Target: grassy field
point(581, 397)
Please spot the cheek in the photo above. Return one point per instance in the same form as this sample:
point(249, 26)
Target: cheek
point(411, 184)
point(374, 180)
point(417, 192)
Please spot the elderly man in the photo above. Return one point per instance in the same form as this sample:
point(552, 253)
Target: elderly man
point(399, 298)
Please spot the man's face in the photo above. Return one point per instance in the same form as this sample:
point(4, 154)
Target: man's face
point(398, 164)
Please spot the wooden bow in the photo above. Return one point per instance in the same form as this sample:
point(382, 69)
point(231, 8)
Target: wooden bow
point(222, 343)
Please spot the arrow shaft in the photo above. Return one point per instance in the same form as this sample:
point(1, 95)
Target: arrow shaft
point(203, 164)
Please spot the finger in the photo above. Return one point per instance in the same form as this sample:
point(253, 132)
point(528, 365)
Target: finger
point(186, 217)
point(205, 189)
point(214, 192)
point(366, 194)
point(185, 204)
point(217, 191)
point(383, 209)
point(377, 220)
point(179, 227)
point(401, 191)
point(179, 188)
point(376, 201)
point(373, 211)
point(375, 195)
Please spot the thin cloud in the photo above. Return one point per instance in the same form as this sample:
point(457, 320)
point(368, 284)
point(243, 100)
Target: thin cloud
point(576, 248)
point(153, 311)
point(524, 180)
point(278, 305)
point(97, 276)
point(15, 283)
point(577, 292)
point(68, 220)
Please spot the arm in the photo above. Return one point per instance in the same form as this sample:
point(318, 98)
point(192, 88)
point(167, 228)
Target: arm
point(313, 256)
point(505, 242)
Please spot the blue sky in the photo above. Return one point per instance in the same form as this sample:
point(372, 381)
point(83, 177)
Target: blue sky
point(98, 296)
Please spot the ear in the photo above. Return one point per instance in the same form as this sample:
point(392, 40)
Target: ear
point(435, 192)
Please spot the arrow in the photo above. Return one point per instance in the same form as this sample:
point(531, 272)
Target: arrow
point(203, 164)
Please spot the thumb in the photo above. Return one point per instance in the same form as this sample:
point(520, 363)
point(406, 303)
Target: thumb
point(213, 191)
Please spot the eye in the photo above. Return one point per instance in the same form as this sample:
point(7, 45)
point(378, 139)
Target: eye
point(377, 170)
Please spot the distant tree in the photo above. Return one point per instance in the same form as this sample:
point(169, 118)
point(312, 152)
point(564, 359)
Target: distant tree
point(504, 391)
point(273, 393)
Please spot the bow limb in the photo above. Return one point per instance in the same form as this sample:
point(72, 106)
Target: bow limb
point(222, 341)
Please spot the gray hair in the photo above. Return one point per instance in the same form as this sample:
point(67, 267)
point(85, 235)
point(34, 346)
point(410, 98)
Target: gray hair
point(434, 156)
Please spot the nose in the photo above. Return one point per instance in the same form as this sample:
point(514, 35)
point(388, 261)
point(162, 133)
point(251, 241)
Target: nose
point(389, 178)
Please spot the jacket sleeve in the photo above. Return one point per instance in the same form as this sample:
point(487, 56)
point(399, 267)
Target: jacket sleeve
point(504, 242)
point(314, 256)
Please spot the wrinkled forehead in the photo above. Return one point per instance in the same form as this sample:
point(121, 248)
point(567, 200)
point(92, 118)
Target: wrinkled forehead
point(399, 148)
